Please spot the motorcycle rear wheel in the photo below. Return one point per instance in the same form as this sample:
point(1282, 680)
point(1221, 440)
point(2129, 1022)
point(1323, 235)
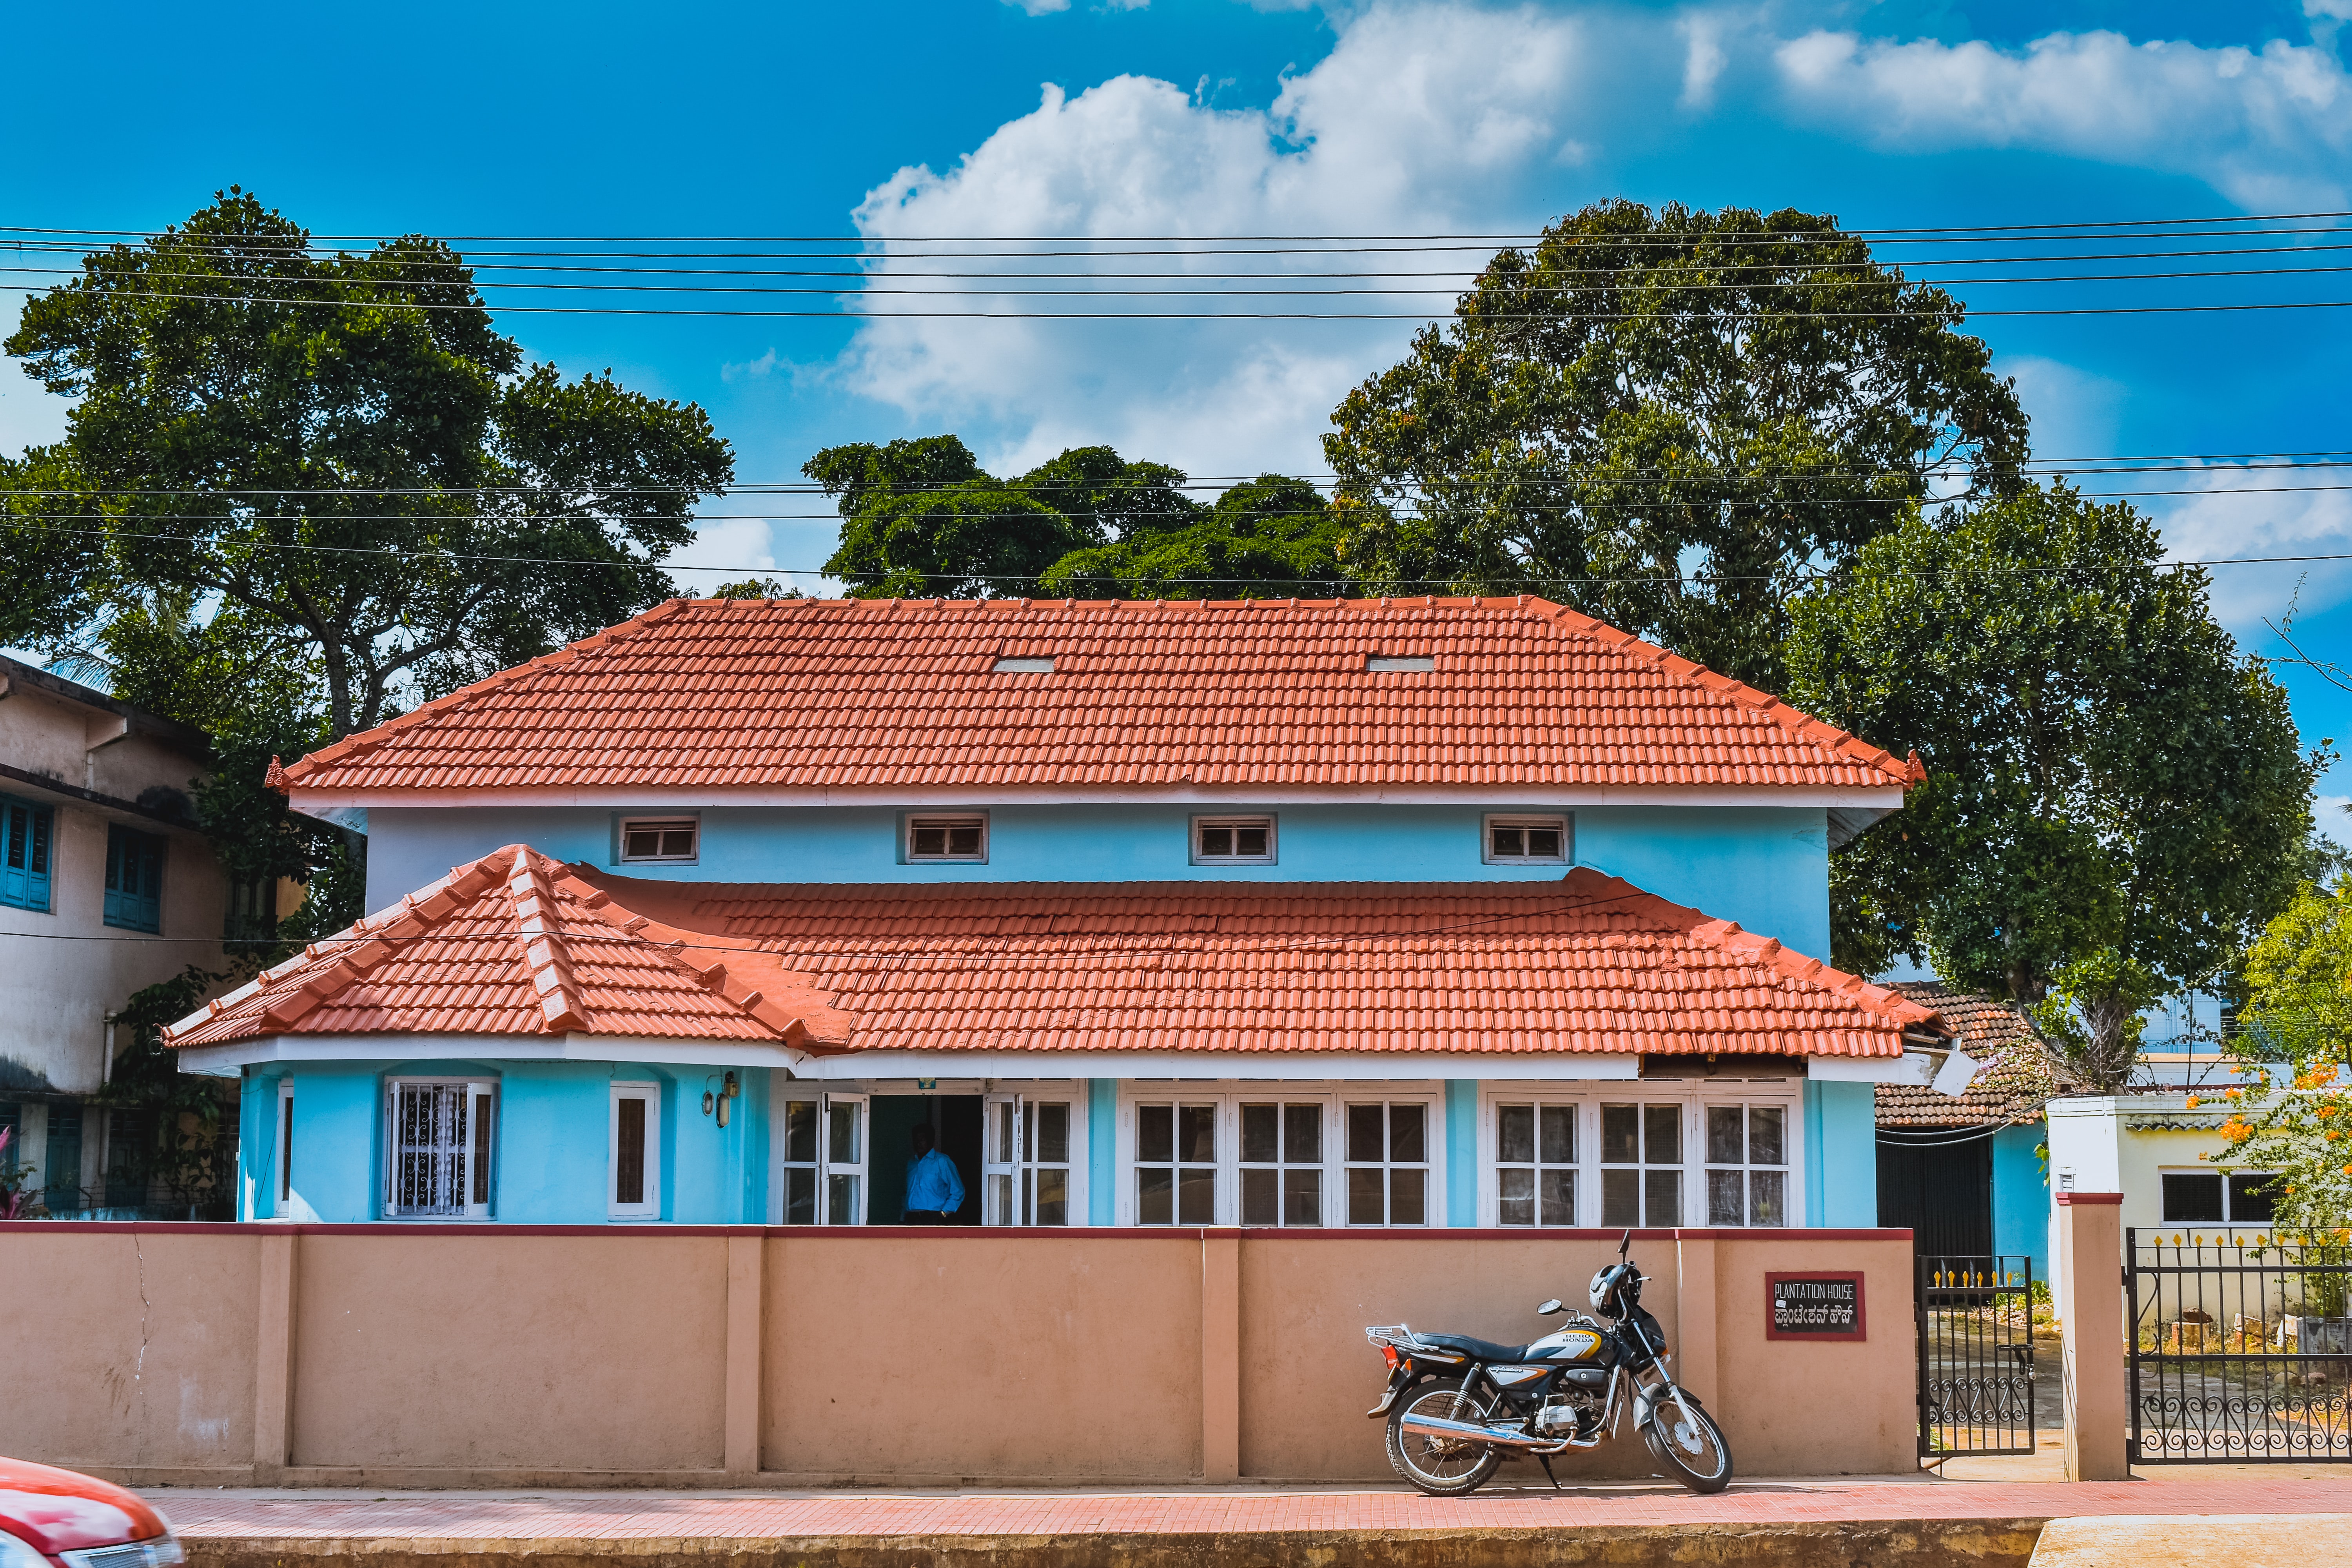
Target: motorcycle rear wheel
point(1685, 1439)
point(1442, 1466)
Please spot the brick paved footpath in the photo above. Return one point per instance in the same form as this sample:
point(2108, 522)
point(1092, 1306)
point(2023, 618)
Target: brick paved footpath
point(1925, 1521)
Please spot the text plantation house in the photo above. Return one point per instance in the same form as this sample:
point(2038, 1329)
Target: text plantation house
point(1415, 912)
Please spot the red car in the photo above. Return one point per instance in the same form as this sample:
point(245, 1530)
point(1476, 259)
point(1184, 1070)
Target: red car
point(56, 1519)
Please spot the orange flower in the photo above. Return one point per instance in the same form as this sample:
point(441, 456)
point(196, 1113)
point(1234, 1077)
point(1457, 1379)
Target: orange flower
point(2194, 1102)
point(2232, 1093)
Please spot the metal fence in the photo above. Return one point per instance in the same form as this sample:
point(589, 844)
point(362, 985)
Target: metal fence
point(2240, 1345)
point(1976, 1354)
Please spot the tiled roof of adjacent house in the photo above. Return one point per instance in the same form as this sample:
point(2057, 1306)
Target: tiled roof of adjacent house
point(2015, 1079)
point(516, 944)
point(512, 944)
point(1589, 964)
point(722, 695)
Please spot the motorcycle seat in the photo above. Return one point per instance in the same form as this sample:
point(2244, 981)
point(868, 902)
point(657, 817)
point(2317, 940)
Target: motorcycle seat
point(1478, 1350)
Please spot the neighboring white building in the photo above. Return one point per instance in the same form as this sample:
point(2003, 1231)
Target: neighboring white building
point(106, 886)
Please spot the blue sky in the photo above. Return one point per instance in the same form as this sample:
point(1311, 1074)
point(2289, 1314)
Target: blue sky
point(1213, 116)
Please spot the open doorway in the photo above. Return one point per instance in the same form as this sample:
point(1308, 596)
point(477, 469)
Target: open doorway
point(954, 1120)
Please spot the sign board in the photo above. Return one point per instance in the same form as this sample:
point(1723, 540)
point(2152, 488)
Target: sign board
point(1814, 1306)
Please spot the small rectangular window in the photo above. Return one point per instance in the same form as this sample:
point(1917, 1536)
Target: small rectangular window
point(440, 1146)
point(1747, 1165)
point(1388, 1163)
point(2250, 1197)
point(1527, 841)
point(635, 1151)
point(2192, 1196)
point(25, 835)
point(1233, 841)
point(674, 839)
point(1535, 1165)
point(1024, 666)
point(844, 1159)
point(1282, 1164)
point(1027, 1161)
point(1642, 1165)
point(947, 838)
point(1176, 1164)
point(284, 1207)
point(799, 1162)
point(1399, 663)
point(134, 879)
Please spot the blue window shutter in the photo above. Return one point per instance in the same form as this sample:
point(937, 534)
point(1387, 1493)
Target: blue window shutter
point(134, 879)
point(25, 835)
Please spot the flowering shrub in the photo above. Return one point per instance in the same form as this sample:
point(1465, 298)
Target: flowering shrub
point(2290, 1115)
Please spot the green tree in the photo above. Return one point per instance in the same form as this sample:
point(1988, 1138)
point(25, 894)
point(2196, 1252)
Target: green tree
point(342, 448)
point(2295, 1061)
point(1271, 537)
point(1673, 420)
point(920, 519)
point(2115, 800)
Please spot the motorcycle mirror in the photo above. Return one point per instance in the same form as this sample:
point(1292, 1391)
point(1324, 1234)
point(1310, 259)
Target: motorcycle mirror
point(1549, 1307)
point(1624, 1242)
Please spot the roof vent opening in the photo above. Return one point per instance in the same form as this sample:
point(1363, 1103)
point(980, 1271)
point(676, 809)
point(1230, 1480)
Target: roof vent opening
point(1024, 666)
point(1399, 662)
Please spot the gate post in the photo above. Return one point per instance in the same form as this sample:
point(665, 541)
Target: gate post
point(2090, 1251)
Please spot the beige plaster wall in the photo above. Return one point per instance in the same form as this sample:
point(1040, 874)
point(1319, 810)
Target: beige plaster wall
point(128, 1348)
point(477, 1355)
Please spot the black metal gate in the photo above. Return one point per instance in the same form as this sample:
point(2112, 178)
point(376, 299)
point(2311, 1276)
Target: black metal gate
point(1976, 1354)
point(2239, 1347)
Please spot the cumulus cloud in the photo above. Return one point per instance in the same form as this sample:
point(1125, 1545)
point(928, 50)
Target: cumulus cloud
point(2266, 128)
point(2232, 510)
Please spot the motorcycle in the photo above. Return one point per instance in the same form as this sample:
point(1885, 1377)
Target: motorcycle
point(1458, 1406)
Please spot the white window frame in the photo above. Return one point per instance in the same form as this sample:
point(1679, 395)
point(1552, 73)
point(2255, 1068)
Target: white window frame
point(621, 855)
point(1432, 1131)
point(1131, 1167)
point(2228, 1218)
point(908, 824)
point(836, 1166)
point(1561, 820)
point(1267, 819)
point(1279, 1095)
point(1228, 1095)
point(1711, 1102)
point(1007, 1184)
point(1693, 1096)
point(281, 1204)
point(480, 1093)
point(780, 1147)
point(649, 1206)
point(1492, 1164)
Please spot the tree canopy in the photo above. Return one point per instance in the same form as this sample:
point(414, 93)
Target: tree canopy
point(2115, 801)
point(1670, 419)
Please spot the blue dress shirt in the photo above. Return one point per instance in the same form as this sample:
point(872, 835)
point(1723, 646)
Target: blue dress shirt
point(932, 1185)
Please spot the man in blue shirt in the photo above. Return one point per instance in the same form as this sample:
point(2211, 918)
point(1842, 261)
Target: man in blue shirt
point(934, 1191)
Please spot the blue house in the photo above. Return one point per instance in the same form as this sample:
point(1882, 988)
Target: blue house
point(1463, 912)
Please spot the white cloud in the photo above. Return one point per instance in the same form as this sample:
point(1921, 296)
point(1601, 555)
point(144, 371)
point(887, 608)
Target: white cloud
point(29, 416)
point(2231, 512)
point(725, 550)
point(2075, 413)
point(750, 370)
point(1704, 59)
point(2267, 128)
point(1040, 7)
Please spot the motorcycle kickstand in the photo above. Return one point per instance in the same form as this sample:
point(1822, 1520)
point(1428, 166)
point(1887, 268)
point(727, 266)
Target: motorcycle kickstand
point(1545, 1460)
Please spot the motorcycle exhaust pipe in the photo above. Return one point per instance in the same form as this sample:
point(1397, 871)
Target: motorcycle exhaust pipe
point(1436, 1426)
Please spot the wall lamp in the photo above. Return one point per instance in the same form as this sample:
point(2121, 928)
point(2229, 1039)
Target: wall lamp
point(715, 1102)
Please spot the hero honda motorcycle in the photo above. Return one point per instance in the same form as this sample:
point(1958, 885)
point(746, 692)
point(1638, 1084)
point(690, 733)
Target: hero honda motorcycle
point(1458, 1406)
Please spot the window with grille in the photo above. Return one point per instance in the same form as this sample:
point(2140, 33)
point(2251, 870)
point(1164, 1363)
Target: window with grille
point(134, 879)
point(1282, 1163)
point(1176, 1163)
point(947, 838)
point(26, 834)
point(1527, 841)
point(441, 1148)
point(1747, 1164)
point(675, 840)
point(634, 1151)
point(1388, 1163)
point(1026, 1163)
point(1535, 1165)
point(1233, 841)
point(1642, 1165)
point(2210, 1197)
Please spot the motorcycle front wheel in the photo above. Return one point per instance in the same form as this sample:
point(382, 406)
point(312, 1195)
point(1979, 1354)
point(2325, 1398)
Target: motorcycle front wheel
point(1442, 1466)
point(1685, 1439)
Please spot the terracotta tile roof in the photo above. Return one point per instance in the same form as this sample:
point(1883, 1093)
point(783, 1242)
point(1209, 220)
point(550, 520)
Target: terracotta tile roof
point(2017, 1078)
point(513, 944)
point(1590, 963)
point(718, 694)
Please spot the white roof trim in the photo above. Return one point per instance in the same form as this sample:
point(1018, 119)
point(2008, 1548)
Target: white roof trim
point(1223, 1067)
point(312, 802)
point(224, 1061)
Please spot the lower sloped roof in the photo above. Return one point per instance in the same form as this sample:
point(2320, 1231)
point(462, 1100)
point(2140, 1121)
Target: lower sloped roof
point(2015, 1077)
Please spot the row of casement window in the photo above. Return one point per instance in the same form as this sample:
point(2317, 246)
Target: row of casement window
point(1226, 840)
point(134, 867)
point(1190, 1161)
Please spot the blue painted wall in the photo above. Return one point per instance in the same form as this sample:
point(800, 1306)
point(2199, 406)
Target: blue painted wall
point(1460, 1152)
point(1102, 1151)
point(1840, 1155)
point(1765, 867)
point(551, 1157)
point(2021, 1195)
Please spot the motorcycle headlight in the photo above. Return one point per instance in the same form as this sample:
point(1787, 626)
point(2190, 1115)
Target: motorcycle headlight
point(17, 1553)
point(164, 1551)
